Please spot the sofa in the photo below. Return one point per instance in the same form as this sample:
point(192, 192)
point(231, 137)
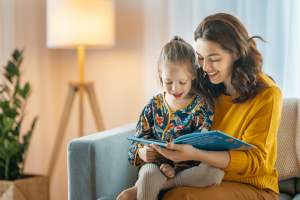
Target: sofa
point(98, 168)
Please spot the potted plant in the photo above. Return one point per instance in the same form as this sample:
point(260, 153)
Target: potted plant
point(13, 145)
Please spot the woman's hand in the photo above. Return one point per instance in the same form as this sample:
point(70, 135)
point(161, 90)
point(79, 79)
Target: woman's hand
point(147, 154)
point(167, 170)
point(180, 152)
point(184, 152)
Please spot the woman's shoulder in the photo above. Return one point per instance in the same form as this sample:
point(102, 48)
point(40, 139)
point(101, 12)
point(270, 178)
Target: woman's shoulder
point(270, 91)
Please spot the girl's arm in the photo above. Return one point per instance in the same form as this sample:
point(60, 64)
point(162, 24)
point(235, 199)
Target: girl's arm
point(143, 130)
point(184, 152)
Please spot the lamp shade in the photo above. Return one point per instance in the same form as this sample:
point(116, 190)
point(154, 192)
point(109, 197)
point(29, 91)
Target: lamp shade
point(73, 23)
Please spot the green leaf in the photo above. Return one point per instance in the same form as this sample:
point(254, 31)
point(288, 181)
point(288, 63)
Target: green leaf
point(12, 69)
point(16, 54)
point(2, 164)
point(2, 152)
point(25, 91)
point(8, 76)
point(6, 143)
point(33, 123)
point(13, 147)
point(17, 102)
point(7, 110)
point(8, 125)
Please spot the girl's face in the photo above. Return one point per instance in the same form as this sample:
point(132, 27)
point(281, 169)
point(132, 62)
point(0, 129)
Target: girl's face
point(216, 62)
point(176, 80)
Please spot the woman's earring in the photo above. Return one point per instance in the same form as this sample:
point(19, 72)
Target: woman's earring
point(204, 74)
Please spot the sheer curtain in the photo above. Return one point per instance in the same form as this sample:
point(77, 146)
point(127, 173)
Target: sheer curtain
point(277, 21)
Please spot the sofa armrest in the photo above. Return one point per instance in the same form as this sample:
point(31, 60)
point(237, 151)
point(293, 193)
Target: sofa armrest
point(98, 165)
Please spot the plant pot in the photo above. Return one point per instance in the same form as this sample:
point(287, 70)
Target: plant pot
point(29, 188)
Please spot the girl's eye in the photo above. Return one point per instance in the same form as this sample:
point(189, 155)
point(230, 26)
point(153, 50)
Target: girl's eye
point(168, 82)
point(182, 83)
point(214, 60)
point(200, 58)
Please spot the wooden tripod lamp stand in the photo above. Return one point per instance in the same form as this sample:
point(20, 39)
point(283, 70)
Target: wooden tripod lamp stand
point(79, 24)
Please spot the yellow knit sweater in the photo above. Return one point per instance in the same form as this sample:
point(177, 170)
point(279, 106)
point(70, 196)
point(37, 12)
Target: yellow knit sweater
point(256, 122)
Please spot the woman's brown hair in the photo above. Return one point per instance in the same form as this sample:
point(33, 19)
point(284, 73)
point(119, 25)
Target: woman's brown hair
point(178, 51)
point(232, 35)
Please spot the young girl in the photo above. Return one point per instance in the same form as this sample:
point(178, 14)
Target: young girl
point(180, 110)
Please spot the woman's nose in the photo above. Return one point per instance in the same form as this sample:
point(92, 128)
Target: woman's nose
point(205, 65)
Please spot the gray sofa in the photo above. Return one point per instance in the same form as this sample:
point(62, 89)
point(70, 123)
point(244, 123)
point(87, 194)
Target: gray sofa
point(98, 166)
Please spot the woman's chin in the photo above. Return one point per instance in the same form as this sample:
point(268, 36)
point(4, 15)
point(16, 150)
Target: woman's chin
point(215, 82)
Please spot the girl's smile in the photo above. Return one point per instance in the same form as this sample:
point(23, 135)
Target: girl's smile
point(177, 95)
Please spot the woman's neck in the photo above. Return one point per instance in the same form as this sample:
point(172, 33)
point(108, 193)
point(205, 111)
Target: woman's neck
point(229, 88)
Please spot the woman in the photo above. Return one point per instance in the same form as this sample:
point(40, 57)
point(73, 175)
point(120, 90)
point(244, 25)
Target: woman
point(247, 106)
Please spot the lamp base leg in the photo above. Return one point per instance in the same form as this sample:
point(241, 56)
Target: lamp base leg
point(74, 87)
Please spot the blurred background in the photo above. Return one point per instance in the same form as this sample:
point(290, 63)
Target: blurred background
point(124, 75)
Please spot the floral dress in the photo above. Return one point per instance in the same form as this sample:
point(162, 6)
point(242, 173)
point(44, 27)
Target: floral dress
point(158, 122)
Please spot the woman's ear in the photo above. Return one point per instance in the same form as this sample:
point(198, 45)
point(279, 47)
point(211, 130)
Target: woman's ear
point(237, 56)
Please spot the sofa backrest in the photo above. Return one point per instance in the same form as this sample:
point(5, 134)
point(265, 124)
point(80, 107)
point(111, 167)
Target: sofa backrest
point(288, 140)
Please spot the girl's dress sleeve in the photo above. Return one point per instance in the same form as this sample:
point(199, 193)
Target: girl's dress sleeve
point(204, 116)
point(144, 129)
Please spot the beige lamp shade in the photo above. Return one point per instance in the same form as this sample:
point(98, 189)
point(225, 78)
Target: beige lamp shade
point(73, 23)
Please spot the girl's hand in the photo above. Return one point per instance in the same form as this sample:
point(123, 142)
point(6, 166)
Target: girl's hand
point(179, 153)
point(167, 170)
point(147, 154)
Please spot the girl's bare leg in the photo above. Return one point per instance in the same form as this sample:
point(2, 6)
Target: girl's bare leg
point(129, 194)
point(169, 184)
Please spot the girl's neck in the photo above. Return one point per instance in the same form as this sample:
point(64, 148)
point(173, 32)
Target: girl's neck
point(175, 104)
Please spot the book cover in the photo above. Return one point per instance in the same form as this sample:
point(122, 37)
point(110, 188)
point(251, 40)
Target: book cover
point(209, 141)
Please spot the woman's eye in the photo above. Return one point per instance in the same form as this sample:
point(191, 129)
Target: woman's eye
point(182, 83)
point(214, 60)
point(169, 82)
point(200, 58)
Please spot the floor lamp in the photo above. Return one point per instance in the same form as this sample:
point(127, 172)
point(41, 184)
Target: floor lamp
point(79, 24)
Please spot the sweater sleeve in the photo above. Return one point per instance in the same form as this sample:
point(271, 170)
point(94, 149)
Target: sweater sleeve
point(143, 131)
point(261, 131)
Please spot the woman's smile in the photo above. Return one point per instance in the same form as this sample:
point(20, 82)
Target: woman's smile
point(212, 74)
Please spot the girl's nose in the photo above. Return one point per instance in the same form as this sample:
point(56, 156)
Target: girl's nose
point(176, 87)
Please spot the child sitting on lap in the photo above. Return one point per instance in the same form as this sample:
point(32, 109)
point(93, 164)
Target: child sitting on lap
point(181, 109)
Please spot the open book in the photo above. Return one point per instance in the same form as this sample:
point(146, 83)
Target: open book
point(209, 141)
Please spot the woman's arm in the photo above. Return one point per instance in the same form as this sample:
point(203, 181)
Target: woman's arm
point(184, 152)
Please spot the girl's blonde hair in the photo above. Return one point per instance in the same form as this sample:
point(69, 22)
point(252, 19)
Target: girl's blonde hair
point(179, 51)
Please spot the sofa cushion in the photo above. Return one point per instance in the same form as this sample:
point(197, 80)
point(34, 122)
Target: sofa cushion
point(288, 140)
point(109, 197)
point(288, 186)
point(297, 197)
point(283, 196)
point(298, 185)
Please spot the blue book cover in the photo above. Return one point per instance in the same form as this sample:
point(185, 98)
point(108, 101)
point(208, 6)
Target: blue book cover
point(209, 141)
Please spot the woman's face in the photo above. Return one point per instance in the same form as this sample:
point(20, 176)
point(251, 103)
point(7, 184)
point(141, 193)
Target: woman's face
point(216, 62)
